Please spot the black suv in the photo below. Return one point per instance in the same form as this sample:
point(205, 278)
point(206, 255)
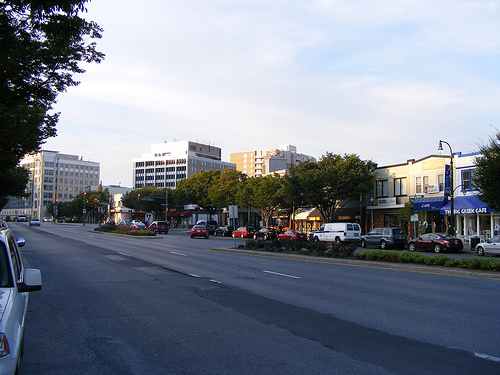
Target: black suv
point(385, 237)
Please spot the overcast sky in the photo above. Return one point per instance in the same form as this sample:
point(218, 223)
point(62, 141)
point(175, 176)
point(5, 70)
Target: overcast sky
point(382, 79)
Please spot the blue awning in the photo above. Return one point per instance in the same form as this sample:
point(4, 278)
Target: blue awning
point(429, 204)
point(470, 204)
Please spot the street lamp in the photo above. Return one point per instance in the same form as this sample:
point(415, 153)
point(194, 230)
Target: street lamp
point(452, 203)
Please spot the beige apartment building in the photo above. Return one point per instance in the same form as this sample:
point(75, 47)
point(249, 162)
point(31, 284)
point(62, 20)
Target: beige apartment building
point(53, 176)
point(266, 162)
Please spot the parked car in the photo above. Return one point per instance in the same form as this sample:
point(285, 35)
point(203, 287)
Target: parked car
point(60, 220)
point(292, 235)
point(225, 231)
point(34, 221)
point(339, 232)
point(492, 246)
point(15, 284)
point(3, 224)
point(126, 223)
point(139, 225)
point(385, 237)
point(47, 219)
point(266, 234)
point(22, 218)
point(199, 231)
point(159, 227)
point(211, 225)
point(244, 232)
point(436, 242)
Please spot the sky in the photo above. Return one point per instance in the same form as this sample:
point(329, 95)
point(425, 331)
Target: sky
point(385, 80)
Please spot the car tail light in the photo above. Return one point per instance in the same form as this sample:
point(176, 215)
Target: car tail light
point(4, 345)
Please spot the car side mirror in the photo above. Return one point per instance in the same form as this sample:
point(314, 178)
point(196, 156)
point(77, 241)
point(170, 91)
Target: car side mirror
point(32, 281)
point(20, 242)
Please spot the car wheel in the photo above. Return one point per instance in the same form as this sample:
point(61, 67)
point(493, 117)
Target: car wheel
point(337, 239)
point(316, 239)
point(480, 251)
point(206, 236)
point(363, 243)
point(383, 245)
point(437, 248)
point(412, 247)
point(192, 236)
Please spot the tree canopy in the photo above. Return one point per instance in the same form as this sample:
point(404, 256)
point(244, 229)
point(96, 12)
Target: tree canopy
point(486, 176)
point(42, 44)
point(334, 178)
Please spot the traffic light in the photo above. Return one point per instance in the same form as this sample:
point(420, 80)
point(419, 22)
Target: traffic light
point(139, 196)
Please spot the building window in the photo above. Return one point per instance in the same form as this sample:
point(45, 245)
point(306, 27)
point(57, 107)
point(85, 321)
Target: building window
point(441, 182)
point(467, 180)
point(419, 184)
point(382, 188)
point(399, 186)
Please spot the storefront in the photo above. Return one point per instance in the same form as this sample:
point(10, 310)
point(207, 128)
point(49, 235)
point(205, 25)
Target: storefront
point(429, 216)
point(473, 218)
point(308, 220)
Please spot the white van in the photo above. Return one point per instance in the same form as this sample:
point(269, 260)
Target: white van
point(340, 232)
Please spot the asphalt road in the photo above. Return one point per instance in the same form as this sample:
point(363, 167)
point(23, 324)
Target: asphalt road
point(173, 305)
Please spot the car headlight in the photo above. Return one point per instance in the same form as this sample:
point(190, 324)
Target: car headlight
point(4, 345)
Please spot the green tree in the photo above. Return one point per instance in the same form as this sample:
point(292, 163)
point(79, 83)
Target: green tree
point(486, 176)
point(42, 44)
point(152, 199)
point(334, 178)
point(266, 195)
point(195, 190)
point(223, 190)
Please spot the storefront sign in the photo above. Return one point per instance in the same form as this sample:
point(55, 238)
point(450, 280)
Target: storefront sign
point(386, 201)
point(464, 211)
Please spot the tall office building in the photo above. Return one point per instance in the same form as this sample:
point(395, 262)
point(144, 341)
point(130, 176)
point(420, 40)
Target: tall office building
point(52, 176)
point(170, 162)
point(266, 162)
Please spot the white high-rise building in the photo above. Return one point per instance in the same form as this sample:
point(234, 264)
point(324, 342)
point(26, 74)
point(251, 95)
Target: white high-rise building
point(53, 177)
point(169, 162)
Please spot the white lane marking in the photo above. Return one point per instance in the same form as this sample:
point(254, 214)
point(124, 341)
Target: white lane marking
point(486, 356)
point(215, 281)
point(282, 274)
point(130, 256)
point(194, 275)
point(181, 254)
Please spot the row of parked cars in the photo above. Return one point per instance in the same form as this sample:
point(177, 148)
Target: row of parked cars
point(382, 238)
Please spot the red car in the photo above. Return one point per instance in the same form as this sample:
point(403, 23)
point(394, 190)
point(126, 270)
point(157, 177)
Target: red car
point(199, 231)
point(159, 226)
point(244, 232)
point(436, 242)
point(292, 235)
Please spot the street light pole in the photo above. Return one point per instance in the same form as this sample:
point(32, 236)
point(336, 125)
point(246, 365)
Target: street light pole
point(452, 190)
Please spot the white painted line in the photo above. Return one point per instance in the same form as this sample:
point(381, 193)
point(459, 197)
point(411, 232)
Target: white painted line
point(194, 275)
point(282, 274)
point(488, 357)
point(181, 254)
point(215, 281)
point(126, 255)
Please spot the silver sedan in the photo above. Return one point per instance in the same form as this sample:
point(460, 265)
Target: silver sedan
point(492, 246)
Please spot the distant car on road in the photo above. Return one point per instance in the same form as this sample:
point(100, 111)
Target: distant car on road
point(224, 231)
point(266, 234)
point(47, 219)
point(34, 221)
point(211, 225)
point(244, 232)
point(292, 235)
point(436, 242)
point(199, 231)
point(22, 218)
point(15, 283)
point(385, 237)
point(159, 226)
point(492, 246)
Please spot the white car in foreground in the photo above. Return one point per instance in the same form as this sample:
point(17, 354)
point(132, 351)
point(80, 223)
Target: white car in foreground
point(492, 246)
point(15, 284)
